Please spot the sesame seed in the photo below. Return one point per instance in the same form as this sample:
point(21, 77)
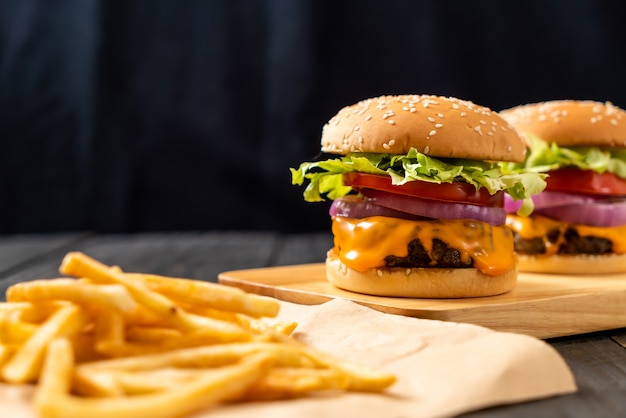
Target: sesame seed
point(386, 146)
point(490, 133)
point(482, 122)
point(431, 119)
point(440, 115)
point(356, 128)
point(613, 122)
point(463, 114)
point(392, 141)
point(413, 110)
point(391, 122)
point(432, 133)
point(426, 149)
point(379, 272)
point(408, 272)
point(438, 125)
point(509, 148)
point(360, 140)
point(368, 117)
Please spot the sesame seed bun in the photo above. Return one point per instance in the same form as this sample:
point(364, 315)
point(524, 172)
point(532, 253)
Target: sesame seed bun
point(434, 125)
point(571, 122)
point(418, 282)
point(573, 264)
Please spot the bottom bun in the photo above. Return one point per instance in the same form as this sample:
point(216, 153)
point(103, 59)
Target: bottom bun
point(418, 282)
point(573, 264)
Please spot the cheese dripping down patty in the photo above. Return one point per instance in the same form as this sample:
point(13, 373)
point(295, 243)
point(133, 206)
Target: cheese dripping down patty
point(365, 243)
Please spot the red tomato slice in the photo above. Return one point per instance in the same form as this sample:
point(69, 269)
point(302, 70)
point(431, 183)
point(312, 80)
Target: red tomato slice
point(574, 180)
point(448, 192)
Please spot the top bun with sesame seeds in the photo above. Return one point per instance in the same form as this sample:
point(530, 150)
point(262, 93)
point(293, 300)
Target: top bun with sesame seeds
point(437, 126)
point(571, 123)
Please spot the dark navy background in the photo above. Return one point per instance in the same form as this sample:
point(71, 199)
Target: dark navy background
point(128, 115)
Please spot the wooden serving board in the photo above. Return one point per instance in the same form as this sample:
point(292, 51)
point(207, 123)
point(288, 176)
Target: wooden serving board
point(541, 305)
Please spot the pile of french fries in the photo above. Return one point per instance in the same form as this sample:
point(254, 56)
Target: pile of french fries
point(99, 342)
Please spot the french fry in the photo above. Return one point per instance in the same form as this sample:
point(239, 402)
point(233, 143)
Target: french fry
point(196, 292)
point(147, 334)
point(208, 356)
point(25, 364)
point(79, 263)
point(14, 331)
point(6, 351)
point(358, 378)
point(149, 381)
point(107, 297)
point(33, 312)
point(108, 343)
point(210, 388)
point(292, 382)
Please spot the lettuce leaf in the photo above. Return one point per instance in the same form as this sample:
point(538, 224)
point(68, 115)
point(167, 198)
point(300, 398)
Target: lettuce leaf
point(543, 157)
point(325, 177)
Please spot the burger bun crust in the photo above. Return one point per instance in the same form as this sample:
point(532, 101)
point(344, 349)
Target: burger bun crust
point(571, 122)
point(434, 125)
point(418, 282)
point(573, 264)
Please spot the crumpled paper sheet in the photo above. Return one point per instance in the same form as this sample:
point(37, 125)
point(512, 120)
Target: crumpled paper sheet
point(443, 368)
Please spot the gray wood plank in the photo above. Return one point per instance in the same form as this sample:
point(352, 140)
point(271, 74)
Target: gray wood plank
point(18, 249)
point(302, 248)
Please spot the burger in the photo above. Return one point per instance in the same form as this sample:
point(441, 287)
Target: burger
point(417, 196)
point(579, 221)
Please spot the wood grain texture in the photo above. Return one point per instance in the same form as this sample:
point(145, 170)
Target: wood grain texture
point(544, 306)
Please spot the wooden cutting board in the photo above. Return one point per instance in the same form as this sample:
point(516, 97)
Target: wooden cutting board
point(541, 305)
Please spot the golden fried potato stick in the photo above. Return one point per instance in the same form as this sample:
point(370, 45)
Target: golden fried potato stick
point(358, 377)
point(207, 356)
point(33, 312)
point(111, 296)
point(6, 351)
point(109, 330)
point(24, 366)
point(148, 381)
point(14, 331)
point(148, 334)
point(56, 371)
point(230, 299)
point(81, 265)
point(292, 382)
point(196, 292)
point(53, 399)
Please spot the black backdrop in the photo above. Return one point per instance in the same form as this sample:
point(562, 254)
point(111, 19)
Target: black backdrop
point(127, 115)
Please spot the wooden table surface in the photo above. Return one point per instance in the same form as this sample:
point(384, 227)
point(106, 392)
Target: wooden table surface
point(597, 360)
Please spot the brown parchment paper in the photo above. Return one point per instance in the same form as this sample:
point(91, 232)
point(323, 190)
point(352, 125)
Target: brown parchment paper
point(443, 368)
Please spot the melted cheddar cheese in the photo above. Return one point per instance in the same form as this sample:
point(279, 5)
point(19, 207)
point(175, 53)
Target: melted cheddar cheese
point(538, 227)
point(364, 243)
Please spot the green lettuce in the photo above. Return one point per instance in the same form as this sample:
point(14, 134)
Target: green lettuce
point(543, 157)
point(325, 177)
